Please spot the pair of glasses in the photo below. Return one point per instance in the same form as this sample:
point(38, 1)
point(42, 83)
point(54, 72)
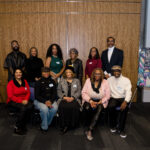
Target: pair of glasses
point(97, 74)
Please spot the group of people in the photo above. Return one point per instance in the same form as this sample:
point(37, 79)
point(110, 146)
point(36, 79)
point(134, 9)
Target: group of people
point(56, 87)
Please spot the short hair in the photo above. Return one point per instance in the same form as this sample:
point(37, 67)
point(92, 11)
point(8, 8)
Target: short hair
point(14, 41)
point(64, 74)
point(110, 37)
point(97, 53)
point(45, 69)
point(93, 76)
point(73, 50)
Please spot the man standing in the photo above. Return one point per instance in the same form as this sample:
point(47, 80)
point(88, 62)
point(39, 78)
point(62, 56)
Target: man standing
point(15, 59)
point(120, 88)
point(111, 56)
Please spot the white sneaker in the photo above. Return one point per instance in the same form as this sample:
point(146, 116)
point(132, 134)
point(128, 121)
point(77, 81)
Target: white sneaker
point(89, 137)
point(113, 130)
point(123, 135)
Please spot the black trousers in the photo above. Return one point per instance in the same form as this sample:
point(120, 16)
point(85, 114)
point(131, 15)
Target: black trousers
point(23, 113)
point(69, 114)
point(117, 118)
point(91, 115)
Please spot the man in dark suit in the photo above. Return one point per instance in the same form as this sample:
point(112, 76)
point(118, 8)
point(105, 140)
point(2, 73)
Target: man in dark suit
point(111, 56)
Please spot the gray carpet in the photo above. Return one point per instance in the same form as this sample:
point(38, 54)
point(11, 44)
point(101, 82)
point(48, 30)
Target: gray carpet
point(138, 130)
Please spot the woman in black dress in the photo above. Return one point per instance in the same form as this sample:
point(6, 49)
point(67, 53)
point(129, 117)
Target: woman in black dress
point(69, 91)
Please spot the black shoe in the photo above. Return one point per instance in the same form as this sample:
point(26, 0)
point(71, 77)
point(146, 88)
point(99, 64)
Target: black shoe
point(19, 131)
point(64, 130)
point(43, 131)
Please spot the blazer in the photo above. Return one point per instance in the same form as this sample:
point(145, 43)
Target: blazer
point(88, 93)
point(62, 89)
point(116, 59)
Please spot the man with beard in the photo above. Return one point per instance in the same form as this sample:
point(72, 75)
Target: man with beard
point(15, 59)
point(111, 56)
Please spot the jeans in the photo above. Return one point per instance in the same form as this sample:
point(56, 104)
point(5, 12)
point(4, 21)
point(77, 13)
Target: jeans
point(46, 113)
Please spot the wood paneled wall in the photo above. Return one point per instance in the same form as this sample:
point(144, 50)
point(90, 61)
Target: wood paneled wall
point(78, 23)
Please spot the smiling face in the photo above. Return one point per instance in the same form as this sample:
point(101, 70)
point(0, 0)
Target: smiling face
point(54, 50)
point(18, 74)
point(93, 52)
point(69, 73)
point(117, 73)
point(33, 52)
point(45, 74)
point(97, 75)
point(110, 42)
point(73, 55)
point(15, 46)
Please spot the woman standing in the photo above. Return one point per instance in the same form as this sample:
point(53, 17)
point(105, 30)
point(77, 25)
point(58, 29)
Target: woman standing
point(55, 61)
point(95, 96)
point(18, 97)
point(93, 62)
point(33, 69)
point(69, 91)
point(76, 63)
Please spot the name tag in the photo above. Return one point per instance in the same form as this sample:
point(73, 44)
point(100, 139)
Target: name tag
point(74, 85)
point(57, 62)
point(119, 88)
point(51, 85)
point(25, 88)
point(90, 63)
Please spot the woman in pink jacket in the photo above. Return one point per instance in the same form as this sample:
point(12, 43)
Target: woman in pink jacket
point(95, 96)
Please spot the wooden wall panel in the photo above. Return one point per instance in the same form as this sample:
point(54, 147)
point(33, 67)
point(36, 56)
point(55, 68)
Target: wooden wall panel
point(80, 24)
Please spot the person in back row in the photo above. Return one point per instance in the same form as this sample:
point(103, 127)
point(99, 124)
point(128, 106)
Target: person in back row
point(76, 63)
point(93, 62)
point(111, 56)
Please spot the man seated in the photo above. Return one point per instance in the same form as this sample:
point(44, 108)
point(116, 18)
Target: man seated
point(120, 87)
point(46, 95)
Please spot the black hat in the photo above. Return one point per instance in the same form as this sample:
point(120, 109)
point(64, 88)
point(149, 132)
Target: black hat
point(45, 69)
point(70, 68)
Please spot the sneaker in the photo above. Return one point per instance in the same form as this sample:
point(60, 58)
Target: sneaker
point(123, 134)
point(89, 136)
point(113, 130)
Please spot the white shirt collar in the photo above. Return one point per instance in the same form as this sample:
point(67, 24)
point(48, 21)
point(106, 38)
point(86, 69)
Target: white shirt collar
point(111, 48)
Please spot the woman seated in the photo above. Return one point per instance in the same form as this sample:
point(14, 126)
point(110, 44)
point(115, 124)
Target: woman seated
point(69, 91)
point(18, 93)
point(95, 95)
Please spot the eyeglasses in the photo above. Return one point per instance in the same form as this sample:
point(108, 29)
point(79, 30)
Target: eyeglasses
point(97, 74)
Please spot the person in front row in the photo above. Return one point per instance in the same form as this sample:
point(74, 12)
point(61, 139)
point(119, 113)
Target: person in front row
point(120, 87)
point(69, 92)
point(18, 93)
point(95, 96)
point(45, 98)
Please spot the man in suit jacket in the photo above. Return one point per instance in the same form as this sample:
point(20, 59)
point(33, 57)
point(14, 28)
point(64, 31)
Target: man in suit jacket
point(111, 56)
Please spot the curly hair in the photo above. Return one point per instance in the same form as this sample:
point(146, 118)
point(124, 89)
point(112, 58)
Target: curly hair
point(59, 51)
point(93, 75)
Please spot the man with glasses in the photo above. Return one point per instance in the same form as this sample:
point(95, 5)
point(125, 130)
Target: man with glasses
point(110, 57)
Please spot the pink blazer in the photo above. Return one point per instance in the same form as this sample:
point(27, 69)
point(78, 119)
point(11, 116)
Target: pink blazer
point(88, 93)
